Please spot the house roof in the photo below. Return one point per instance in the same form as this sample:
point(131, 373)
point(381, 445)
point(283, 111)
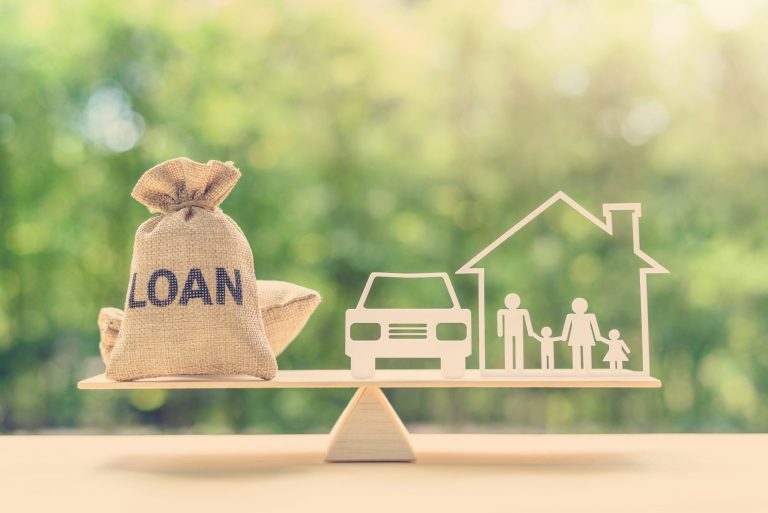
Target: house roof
point(604, 224)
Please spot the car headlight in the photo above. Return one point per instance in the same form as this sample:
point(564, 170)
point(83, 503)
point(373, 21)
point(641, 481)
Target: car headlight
point(365, 331)
point(451, 331)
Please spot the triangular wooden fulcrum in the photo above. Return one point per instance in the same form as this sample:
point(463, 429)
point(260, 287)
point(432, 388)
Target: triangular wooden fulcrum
point(369, 430)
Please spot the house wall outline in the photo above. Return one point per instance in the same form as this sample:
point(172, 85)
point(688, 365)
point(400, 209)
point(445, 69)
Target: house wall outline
point(605, 224)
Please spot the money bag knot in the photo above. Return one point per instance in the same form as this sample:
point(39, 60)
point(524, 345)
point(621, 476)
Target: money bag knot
point(183, 183)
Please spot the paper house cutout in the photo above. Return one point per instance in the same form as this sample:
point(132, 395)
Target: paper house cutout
point(606, 224)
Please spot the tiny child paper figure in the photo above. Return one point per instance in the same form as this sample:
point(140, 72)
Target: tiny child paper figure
point(547, 342)
point(617, 350)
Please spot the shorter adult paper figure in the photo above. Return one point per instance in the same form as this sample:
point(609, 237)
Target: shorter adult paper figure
point(617, 350)
point(582, 332)
point(510, 323)
point(547, 342)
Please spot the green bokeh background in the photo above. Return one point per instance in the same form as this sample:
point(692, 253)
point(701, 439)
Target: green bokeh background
point(392, 136)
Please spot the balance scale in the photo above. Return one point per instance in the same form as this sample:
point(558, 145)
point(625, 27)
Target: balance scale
point(369, 429)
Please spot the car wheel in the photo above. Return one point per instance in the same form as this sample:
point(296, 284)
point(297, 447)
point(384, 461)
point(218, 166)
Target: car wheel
point(452, 367)
point(363, 367)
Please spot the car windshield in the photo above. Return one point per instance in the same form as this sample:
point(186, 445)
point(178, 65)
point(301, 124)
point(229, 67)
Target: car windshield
point(392, 292)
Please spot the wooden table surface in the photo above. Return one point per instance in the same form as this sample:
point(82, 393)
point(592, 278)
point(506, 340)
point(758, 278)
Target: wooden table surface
point(463, 473)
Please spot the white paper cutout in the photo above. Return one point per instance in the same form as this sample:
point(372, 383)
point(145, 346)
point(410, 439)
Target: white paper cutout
point(400, 337)
point(408, 332)
point(581, 337)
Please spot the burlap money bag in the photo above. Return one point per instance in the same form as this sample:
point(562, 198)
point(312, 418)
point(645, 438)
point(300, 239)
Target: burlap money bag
point(192, 304)
point(285, 309)
point(110, 320)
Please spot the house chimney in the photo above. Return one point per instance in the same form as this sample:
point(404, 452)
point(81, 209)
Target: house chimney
point(623, 221)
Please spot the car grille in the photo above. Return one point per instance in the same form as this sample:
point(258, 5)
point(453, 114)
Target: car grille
point(407, 331)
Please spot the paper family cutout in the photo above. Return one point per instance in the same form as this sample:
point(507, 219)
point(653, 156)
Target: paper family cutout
point(417, 332)
point(580, 330)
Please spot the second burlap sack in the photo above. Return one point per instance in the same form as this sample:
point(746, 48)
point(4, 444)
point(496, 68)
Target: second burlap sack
point(192, 304)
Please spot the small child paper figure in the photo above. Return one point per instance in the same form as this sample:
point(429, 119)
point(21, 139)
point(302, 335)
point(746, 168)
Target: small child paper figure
point(617, 350)
point(547, 342)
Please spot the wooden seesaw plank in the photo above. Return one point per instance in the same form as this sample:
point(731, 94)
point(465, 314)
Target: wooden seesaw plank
point(400, 378)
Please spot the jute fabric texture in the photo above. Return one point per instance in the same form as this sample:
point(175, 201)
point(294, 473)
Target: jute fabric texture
point(110, 320)
point(192, 304)
point(284, 308)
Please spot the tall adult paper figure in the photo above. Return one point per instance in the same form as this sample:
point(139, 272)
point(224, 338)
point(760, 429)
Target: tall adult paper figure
point(192, 305)
point(511, 323)
point(582, 332)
